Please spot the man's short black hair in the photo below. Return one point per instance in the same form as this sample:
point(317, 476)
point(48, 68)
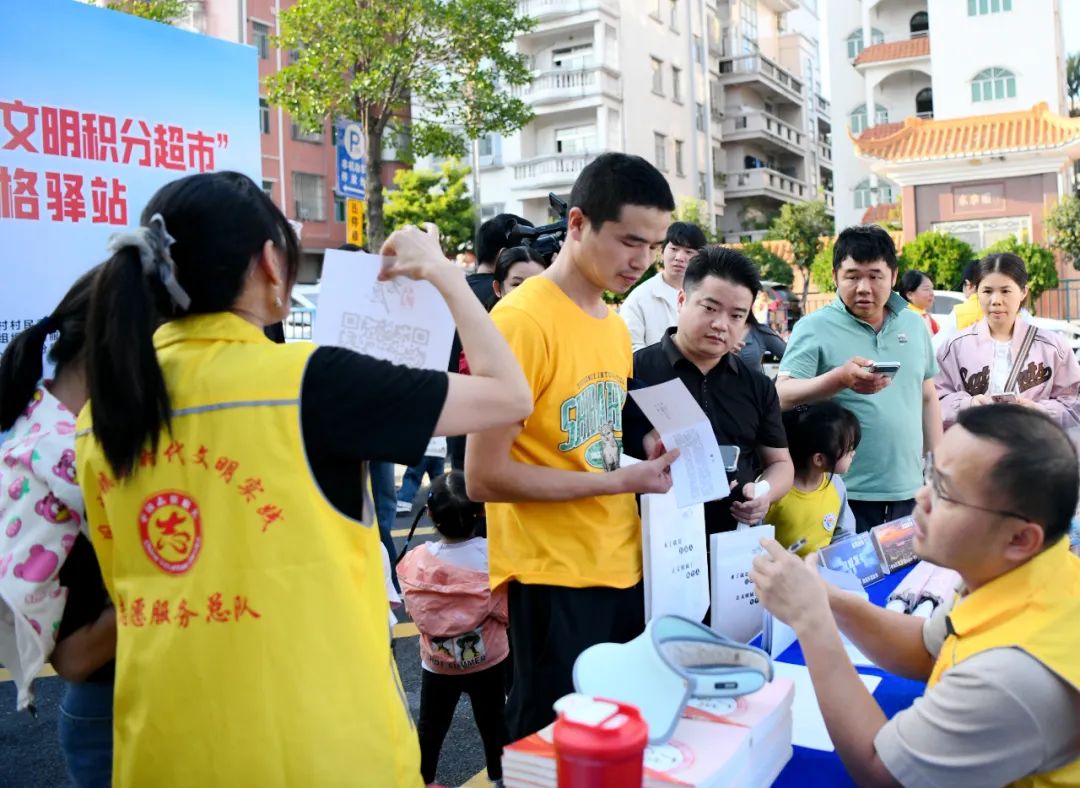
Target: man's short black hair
point(723, 263)
point(613, 180)
point(685, 234)
point(1038, 474)
point(491, 237)
point(864, 243)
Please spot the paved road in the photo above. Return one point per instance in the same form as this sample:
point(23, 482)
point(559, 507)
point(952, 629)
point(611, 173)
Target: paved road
point(30, 754)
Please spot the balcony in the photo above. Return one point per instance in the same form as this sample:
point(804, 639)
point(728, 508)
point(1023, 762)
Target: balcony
point(765, 183)
point(558, 86)
point(830, 200)
point(551, 172)
point(824, 152)
point(762, 126)
point(824, 108)
point(780, 6)
point(758, 69)
point(547, 10)
point(907, 49)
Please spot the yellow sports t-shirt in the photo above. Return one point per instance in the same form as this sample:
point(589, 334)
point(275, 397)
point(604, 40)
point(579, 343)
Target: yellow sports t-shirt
point(577, 366)
point(812, 516)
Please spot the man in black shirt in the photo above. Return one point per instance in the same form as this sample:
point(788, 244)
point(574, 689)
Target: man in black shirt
point(718, 291)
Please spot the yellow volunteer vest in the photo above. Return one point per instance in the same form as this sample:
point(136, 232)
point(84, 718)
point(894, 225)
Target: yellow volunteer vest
point(253, 643)
point(1034, 607)
point(968, 312)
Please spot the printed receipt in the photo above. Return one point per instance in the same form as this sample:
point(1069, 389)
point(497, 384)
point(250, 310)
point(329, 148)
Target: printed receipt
point(698, 475)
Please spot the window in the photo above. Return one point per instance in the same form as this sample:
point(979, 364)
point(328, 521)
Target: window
point(701, 186)
point(657, 76)
point(673, 14)
point(309, 193)
point(982, 7)
point(679, 159)
point(310, 136)
point(993, 84)
point(268, 189)
point(699, 50)
point(748, 24)
point(339, 209)
point(699, 116)
point(858, 118)
point(676, 84)
point(260, 39)
point(920, 24)
point(658, 11)
point(264, 116)
point(575, 57)
point(924, 103)
point(660, 151)
point(490, 210)
point(575, 139)
point(855, 41)
point(486, 146)
point(981, 233)
point(864, 194)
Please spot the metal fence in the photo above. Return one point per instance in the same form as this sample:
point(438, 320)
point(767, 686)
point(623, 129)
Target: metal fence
point(1063, 302)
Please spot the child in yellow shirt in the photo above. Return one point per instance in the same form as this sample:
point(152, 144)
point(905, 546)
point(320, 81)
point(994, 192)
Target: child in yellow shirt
point(821, 438)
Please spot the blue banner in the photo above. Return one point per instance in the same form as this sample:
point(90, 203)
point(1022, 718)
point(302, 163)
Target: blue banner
point(351, 161)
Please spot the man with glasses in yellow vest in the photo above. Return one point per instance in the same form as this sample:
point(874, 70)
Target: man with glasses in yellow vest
point(1002, 706)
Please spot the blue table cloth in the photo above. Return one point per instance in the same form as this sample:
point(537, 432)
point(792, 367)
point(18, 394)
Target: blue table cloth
point(816, 768)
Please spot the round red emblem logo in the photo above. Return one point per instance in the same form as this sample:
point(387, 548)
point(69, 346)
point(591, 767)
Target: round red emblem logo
point(171, 530)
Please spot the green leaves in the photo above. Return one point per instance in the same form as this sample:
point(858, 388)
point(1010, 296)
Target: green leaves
point(802, 225)
point(772, 266)
point(1063, 221)
point(165, 11)
point(449, 61)
point(942, 257)
point(441, 197)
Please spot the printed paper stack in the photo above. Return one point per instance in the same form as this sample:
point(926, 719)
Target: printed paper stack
point(737, 743)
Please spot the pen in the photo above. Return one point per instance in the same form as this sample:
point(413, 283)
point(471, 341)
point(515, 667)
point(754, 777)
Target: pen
point(797, 546)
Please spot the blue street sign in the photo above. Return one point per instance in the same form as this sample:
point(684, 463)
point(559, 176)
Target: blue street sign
point(351, 160)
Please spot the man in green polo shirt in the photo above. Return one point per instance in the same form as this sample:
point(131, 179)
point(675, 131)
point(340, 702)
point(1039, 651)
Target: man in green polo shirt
point(828, 358)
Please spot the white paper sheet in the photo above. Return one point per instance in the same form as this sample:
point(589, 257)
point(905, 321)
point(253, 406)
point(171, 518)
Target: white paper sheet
point(736, 611)
point(809, 726)
point(698, 475)
point(673, 557)
point(401, 321)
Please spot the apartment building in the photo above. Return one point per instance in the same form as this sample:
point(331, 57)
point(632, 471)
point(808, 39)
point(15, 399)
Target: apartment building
point(298, 169)
point(960, 101)
point(741, 133)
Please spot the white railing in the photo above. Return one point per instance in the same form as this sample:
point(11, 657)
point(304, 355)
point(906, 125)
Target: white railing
point(763, 123)
point(553, 169)
point(542, 10)
point(743, 182)
point(560, 84)
point(761, 65)
point(825, 152)
point(823, 105)
point(830, 200)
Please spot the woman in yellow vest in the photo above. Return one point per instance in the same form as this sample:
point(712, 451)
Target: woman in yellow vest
point(227, 497)
point(917, 289)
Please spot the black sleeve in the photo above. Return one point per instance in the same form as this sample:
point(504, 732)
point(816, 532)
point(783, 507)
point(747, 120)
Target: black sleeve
point(635, 426)
point(355, 408)
point(87, 597)
point(773, 343)
point(771, 431)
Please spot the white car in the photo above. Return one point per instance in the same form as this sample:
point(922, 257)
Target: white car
point(301, 319)
point(945, 300)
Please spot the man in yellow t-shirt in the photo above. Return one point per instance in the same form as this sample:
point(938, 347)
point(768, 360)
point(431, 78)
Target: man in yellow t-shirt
point(563, 528)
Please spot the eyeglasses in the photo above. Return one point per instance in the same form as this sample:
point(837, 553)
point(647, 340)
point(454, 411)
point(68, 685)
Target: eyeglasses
point(932, 479)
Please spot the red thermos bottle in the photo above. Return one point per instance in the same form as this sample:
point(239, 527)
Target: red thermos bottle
point(599, 743)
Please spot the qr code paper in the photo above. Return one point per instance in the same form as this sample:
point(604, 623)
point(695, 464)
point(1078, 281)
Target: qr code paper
point(397, 342)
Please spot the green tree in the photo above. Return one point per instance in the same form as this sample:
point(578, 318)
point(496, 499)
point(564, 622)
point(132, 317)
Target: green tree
point(167, 11)
point(441, 197)
point(1072, 82)
point(1039, 261)
point(772, 266)
point(802, 225)
point(1064, 223)
point(821, 269)
point(941, 256)
point(370, 61)
point(693, 211)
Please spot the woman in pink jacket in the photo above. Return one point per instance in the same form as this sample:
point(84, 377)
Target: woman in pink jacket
point(462, 623)
point(1002, 358)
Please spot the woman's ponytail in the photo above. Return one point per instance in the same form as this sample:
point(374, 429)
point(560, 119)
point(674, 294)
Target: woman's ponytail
point(128, 399)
